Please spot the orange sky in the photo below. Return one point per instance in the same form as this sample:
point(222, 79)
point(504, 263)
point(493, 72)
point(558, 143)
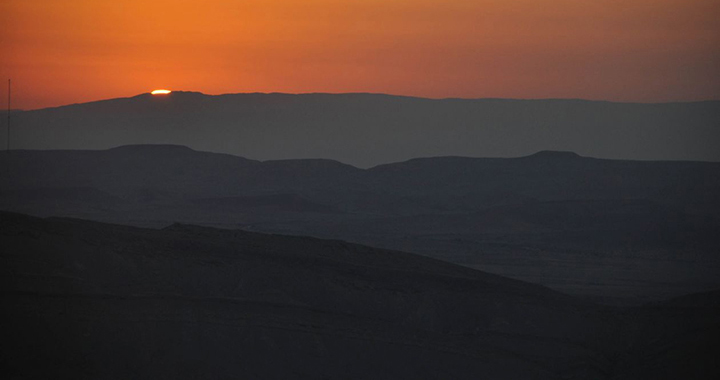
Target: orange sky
point(66, 51)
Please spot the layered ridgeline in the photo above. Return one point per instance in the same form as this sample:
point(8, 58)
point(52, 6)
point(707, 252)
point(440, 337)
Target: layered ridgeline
point(89, 300)
point(586, 226)
point(367, 129)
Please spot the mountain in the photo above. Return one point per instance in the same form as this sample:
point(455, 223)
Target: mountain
point(425, 184)
point(586, 226)
point(371, 129)
point(92, 300)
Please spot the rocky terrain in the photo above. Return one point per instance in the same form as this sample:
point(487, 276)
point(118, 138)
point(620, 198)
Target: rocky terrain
point(93, 300)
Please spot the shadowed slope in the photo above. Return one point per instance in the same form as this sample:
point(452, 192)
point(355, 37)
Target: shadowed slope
point(577, 224)
point(84, 299)
point(99, 300)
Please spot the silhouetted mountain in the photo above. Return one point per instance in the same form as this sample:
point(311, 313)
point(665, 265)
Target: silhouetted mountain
point(577, 224)
point(445, 183)
point(553, 155)
point(371, 129)
point(85, 299)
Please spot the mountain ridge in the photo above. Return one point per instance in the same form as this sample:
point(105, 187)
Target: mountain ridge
point(611, 218)
point(148, 95)
point(542, 154)
point(366, 130)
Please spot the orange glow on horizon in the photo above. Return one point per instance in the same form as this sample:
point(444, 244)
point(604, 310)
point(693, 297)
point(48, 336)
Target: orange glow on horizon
point(161, 92)
point(65, 51)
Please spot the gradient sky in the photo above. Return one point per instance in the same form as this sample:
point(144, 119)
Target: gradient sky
point(66, 51)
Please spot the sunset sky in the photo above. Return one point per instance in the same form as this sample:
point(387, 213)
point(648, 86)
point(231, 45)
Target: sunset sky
point(67, 51)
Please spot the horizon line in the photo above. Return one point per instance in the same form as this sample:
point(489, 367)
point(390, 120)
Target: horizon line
point(567, 154)
point(369, 93)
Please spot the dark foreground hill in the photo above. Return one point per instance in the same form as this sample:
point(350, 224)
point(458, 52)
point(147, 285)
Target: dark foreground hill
point(587, 226)
point(372, 129)
point(89, 300)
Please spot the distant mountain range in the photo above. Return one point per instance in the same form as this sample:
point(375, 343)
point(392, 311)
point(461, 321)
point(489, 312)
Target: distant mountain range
point(315, 236)
point(581, 225)
point(370, 129)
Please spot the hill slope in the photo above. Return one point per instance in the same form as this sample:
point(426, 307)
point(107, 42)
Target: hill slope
point(100, 300)
point(577, 224)
point(84, 299)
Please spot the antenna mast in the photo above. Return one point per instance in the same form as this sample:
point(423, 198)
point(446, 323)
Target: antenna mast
point(8, 114)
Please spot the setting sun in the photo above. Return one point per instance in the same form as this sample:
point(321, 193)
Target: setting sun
point(372, 188)
point(637, 51)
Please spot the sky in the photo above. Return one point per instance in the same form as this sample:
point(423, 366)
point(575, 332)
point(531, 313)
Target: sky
point(68, 51)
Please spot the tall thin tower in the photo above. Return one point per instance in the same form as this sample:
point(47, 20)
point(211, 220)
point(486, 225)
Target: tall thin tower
point(8, 114)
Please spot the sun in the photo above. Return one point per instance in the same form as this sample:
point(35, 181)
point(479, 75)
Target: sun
point(161, 92)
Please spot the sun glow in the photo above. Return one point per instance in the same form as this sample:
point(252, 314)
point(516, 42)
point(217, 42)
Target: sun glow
point(161, 92)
